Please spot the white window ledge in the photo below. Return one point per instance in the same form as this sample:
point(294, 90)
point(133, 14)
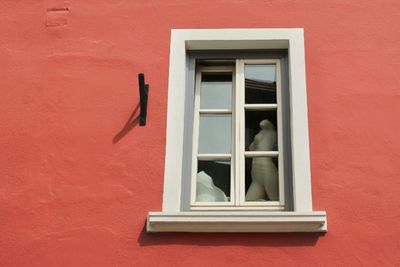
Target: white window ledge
point(237, 221)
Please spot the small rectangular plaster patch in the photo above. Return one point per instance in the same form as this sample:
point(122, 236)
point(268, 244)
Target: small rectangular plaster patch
point(57, 16)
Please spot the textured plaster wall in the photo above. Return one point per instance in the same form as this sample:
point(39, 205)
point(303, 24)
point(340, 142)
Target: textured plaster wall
point(76, 180)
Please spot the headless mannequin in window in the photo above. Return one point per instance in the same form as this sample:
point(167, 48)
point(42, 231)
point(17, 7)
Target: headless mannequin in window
point(264, 173)
point(207, 191)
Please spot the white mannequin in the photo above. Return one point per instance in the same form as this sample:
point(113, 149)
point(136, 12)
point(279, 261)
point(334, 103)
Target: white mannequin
point(264, 173)
point(207, 191)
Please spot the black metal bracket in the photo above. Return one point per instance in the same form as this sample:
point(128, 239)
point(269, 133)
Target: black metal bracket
point(144, 94)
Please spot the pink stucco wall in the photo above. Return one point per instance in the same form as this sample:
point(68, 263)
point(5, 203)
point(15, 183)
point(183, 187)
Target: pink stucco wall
point(76, 185)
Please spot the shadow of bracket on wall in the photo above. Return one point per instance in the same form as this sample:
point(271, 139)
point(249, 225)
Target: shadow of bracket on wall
point(143, 93)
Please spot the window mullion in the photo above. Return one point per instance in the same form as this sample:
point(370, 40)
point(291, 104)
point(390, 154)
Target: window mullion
point(234, 176)
point(240, 183)
point(280, 135)
point(235, 154)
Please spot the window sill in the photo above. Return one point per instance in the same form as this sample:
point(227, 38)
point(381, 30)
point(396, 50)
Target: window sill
point(237, 221)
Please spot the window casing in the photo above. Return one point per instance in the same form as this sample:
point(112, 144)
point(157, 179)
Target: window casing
point(177, 213)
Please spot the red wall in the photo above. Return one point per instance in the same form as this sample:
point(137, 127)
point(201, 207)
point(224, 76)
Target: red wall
point(76, 185)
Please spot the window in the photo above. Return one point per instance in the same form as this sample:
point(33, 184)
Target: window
point(235, 101)
point(228, 90)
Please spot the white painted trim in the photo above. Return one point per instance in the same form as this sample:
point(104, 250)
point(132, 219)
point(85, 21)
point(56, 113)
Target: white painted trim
point(215, 111)
point(241, 111)
point(253, 154)
point(203, 39)
point(243, 107)
point(261, 206)
point(195, 142)
point(281, 168)
point(237, 221)
point(260, 106)
point(196, 122)
point(237, 147)
point(175, 125)
point(214, 156)
point(299, 125)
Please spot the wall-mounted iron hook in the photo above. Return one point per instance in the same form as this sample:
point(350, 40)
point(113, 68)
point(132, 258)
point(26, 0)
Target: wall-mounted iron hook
point(143, 93)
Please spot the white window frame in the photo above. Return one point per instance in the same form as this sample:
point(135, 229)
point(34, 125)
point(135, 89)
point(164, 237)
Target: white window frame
point(238, 153)
point(195, 156)
point(176, 214)
point(242, 107)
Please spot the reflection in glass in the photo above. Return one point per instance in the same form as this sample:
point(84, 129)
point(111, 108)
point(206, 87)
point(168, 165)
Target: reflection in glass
point(216, 91)
point(260, 84)
point(261, 179)
point(215, 134)
point(213, 181)
point(261, 130)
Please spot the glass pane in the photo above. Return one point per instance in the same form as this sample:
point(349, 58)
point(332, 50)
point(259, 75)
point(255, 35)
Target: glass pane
point(261, 130)
point(260, 84)
point(216, 91)
point(213, 181)
point(261, 176)
point(215, 134)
